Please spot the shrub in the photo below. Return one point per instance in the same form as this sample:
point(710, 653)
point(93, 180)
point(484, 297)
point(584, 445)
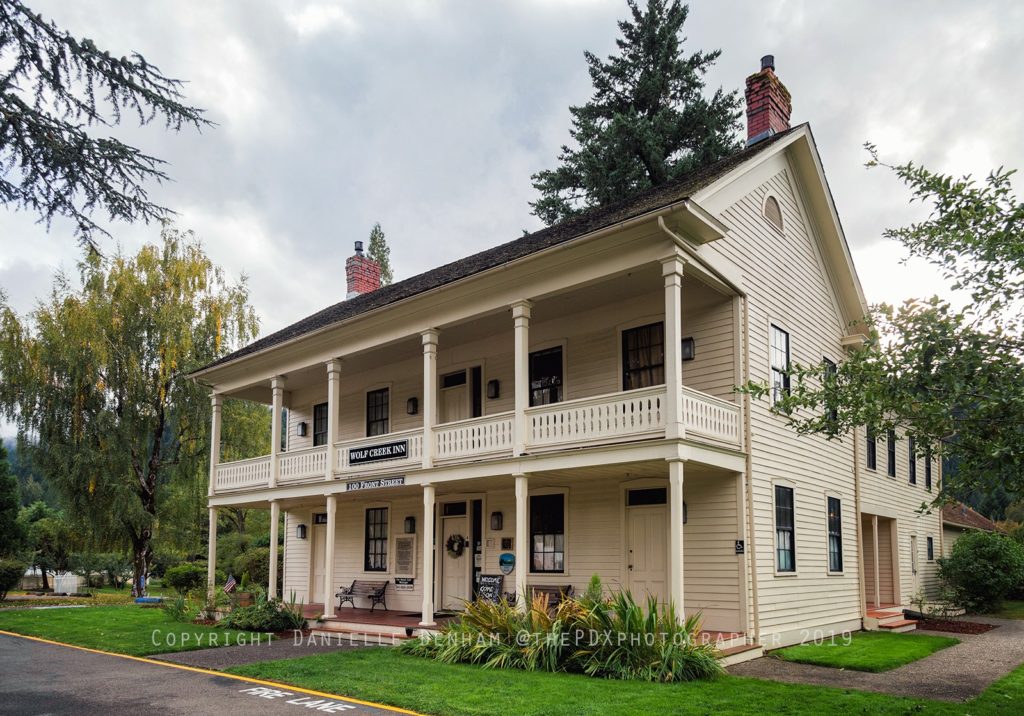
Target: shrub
point(983, 568)
point(185, 577)
point(615, 638)
point(254, 565)
point(11, 572)
point(267, 615)
point(180, 609)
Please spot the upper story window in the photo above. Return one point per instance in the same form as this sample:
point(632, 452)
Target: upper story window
point(891, 453)
point(643, 356)
point(928, 469)
point(872, 444)
point(829, 377)
point(547, 533)
point(320, 424)
point(772, 212)
point(546, 376)
point(780, 363)
point(912, 462)
point(378, 409)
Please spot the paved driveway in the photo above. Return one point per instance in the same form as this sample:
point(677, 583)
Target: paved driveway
point(42, 678)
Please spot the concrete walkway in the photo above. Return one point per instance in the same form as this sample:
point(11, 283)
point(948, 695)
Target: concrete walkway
point(285, 648)
point(958, 673)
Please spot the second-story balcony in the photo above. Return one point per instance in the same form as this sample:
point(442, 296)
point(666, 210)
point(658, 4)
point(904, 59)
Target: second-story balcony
point(618, 417)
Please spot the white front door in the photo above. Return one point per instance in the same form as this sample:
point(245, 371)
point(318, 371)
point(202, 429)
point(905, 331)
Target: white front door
point(646, 551)
point(454, 404)
point(454, 570)
point(319, 547)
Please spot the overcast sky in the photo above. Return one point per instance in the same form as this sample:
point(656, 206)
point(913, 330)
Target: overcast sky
point(430, 117)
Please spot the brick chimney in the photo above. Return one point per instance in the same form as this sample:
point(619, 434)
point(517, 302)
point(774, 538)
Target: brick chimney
point(768, 103)
point(363, 273)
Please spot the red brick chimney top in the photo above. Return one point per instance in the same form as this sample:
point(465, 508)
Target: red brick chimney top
point(362, 272)
point(768, 103)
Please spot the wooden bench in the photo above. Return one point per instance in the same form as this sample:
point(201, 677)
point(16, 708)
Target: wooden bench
point(374, 591)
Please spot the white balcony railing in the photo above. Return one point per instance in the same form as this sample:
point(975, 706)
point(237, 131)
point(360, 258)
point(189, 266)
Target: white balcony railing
point(635, 413)
point(476, 437)
point(706, 416)
point(243, 474)
point(305, 464)
point(413, 456)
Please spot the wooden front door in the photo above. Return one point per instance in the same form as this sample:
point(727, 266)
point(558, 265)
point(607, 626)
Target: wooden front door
point(454, 570)
point(647, 551)
point(319, 563)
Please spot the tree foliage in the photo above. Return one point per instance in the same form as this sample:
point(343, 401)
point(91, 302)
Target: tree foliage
point(648, 121)
point(379, 251)
point(97, 377)
point(951, 378)
point(10, 530)
point(51, 164)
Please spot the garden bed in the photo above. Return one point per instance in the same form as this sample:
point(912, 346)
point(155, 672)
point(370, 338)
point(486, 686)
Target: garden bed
point(953, 626)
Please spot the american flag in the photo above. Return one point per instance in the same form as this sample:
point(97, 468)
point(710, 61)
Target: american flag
point(229, 586)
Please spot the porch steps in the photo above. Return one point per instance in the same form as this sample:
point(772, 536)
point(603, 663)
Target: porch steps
point(359, 633)
point(890, 620)
point(733, 655)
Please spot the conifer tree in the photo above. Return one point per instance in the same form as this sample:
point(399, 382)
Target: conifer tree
point(648, 121)
point(379, 251)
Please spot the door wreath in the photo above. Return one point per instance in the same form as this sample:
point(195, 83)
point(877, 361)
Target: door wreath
point(456, 545)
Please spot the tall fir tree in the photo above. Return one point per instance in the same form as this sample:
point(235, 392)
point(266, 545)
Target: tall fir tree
point(379, 251)
point(10, 529)
point(648, 121)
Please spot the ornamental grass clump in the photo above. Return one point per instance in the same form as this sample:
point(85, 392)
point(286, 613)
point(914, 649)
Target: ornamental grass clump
point(607, 638)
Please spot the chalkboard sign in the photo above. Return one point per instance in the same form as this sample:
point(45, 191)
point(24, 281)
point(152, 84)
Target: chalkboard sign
point(490, 587)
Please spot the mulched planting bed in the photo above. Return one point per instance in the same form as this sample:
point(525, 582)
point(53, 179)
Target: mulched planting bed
point(954, 626)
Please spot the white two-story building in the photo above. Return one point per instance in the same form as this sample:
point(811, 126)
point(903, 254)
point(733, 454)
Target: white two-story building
point(563, 405)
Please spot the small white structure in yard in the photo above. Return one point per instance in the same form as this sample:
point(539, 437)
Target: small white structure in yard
point(67, 583)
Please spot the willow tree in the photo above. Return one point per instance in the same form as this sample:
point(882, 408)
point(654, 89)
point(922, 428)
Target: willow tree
point(95, 379)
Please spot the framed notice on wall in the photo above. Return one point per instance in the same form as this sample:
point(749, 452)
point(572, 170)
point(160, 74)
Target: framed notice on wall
point(405, 556)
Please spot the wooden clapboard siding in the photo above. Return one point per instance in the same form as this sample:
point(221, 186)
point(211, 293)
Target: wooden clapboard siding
point(295, 577)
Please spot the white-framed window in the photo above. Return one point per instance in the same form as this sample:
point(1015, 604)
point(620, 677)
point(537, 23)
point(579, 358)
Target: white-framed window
point(643, 356)
point(780, 362)
point(378, 412)
point(375, 547)
point(547, 376)
point(319, 424)
point(835, 534)
point(547, 532)
point(785, 529)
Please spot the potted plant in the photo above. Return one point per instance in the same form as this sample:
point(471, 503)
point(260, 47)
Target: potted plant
point(243, 597)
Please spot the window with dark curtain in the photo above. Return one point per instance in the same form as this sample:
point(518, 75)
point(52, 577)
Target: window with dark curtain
point(785, 548)
point(320, 424)
point(835, 535)
point(375, 556)
point(872, 443)
point(547, 533)
point(377, 409)
point(931, 549)
point(891, 452)
point(928, 469)
point(912, 461)
point(643, 356)
point(780, 363)
point(831, 409)
point(546, 376)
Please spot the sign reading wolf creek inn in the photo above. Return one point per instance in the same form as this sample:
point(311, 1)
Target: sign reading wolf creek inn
point(375, 453)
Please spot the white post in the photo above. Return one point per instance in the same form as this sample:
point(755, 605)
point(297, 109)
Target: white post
point(216, 405)
point(427, 617)
point(332, 508)
point(211, 556)
point(521, 311)
point(429, 394)
point(275, 516)
point(672, 270)
point(333, 406)
point(522, 546)
point(675, 536)
point(277, 391)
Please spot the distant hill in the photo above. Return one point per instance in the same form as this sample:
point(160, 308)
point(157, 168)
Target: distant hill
point(31, 486)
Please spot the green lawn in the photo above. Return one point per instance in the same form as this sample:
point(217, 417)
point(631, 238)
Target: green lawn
point(124, 629)
point(866, 650)
point(1011, 610)
point(385, 676)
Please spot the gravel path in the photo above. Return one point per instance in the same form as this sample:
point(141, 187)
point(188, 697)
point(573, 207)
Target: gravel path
point(958, 673)
point(285, 648)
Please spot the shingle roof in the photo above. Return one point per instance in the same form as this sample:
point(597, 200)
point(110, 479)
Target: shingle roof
point(563, 232)
point(963, 516)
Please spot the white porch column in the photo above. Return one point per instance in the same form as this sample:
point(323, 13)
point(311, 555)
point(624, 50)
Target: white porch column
point(429, 394)
point(216, 405)
point(672, 270)
point(675, 535)
point(332, 508)
point(277, 391)
point(211, 556)
point(427, 617)
point(275, 517)
point(333, 406)
point(522, 546)
point(521, 311)
point(878, 575)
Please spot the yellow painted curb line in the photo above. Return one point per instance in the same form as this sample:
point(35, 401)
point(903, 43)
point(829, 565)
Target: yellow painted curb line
point(211, 672)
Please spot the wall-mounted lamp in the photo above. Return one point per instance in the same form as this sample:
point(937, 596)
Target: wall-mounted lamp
point(300, 532)
point(493, 389)
point(412, 405)
point(497, 521)
point(410, 525)
point(688, 349)
point(300, 429)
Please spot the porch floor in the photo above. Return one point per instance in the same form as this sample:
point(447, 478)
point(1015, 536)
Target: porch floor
point(378, 617)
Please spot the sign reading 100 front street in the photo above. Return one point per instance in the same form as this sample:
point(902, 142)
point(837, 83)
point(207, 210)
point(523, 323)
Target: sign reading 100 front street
point(376, 453)
point(375, 484)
